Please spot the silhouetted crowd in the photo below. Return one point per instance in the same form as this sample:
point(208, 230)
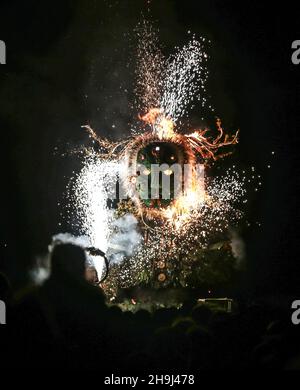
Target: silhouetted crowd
point(67, 323)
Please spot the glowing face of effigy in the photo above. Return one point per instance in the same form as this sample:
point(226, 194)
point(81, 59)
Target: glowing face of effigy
point(160, 164)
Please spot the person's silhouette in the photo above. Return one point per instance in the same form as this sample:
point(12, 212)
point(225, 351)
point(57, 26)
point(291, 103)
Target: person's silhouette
point(67, 262)
point(67, 316)
point(76, 304)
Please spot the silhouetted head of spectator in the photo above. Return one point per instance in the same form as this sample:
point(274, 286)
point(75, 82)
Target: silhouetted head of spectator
point(68, 261)
point(143, 316)
point(201, 314)
point(5, 289)
point(182, 324)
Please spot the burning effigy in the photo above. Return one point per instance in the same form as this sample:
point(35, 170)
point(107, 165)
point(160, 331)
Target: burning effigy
point(146, 200)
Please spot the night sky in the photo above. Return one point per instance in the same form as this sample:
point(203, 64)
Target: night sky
point(71, 63)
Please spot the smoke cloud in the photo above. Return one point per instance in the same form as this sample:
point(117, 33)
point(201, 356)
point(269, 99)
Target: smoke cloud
point(238, 248)
point(125, 239)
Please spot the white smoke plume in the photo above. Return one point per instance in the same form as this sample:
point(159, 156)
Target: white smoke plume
point(125, 239)
point(238, 248)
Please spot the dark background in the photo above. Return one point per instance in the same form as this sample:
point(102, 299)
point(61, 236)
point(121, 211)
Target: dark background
point(70, 63)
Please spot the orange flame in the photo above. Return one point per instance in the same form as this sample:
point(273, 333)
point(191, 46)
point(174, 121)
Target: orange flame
point(151, 116)
point(163, 126)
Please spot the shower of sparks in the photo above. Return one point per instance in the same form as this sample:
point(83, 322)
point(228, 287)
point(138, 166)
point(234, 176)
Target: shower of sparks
point(150, 66)
point(184, 78)
point(170, 84)
point(89, 194)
